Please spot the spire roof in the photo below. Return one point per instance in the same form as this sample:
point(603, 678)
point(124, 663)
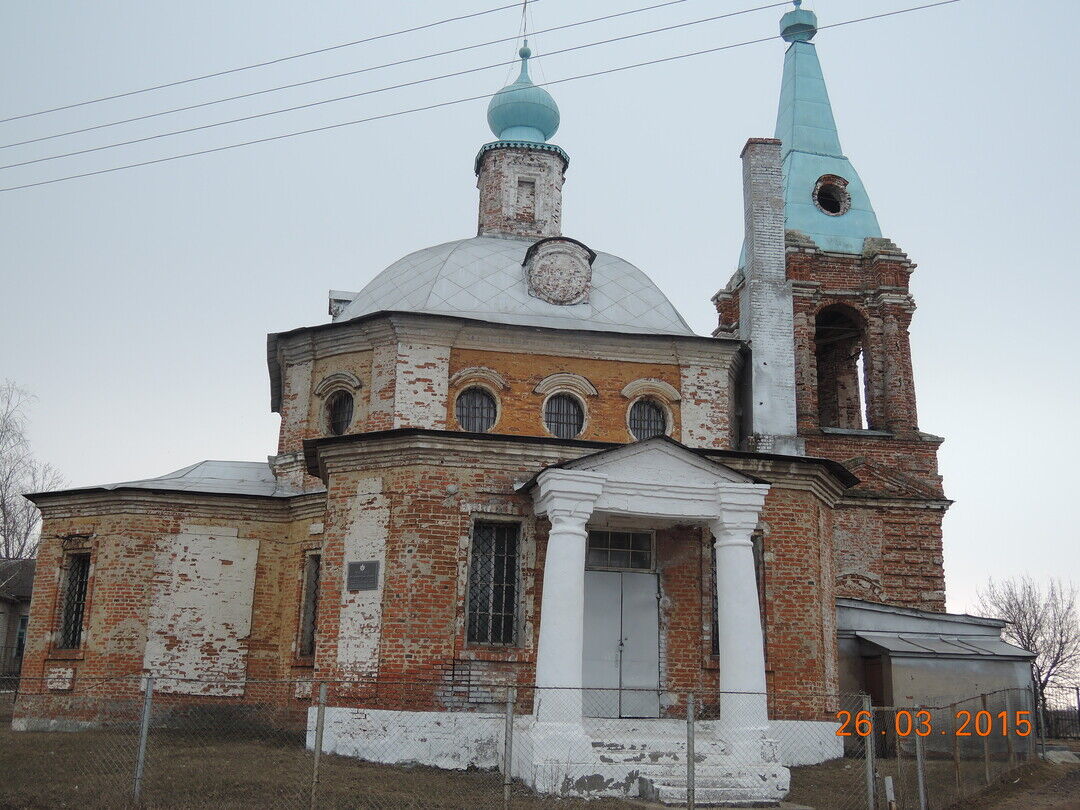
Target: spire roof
point(823, 194)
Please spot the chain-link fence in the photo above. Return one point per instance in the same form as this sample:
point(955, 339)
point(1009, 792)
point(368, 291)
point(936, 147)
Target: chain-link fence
point(169, 742)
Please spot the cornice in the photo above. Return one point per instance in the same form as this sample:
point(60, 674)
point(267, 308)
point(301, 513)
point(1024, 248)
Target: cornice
point(151, 502)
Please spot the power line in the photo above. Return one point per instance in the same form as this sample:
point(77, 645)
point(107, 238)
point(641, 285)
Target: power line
point(463, 100)
point(266, 63)
point(355, 72)
point(362, 93)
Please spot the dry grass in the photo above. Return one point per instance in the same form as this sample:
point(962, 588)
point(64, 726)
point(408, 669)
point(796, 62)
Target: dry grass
point(93, 769)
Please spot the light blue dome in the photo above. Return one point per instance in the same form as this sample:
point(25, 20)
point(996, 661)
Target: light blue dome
point(522, 111)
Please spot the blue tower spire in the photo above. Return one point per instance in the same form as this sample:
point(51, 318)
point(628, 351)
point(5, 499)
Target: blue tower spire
point(823, 195)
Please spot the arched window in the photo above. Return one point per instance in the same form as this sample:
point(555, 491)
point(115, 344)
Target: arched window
point(838, 350)
point(647, 419)
point(476, 409)
point(339, 412)
point(564, 416)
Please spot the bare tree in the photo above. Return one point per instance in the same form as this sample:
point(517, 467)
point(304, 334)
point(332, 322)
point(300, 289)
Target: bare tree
point(20, 472)
point(1042, 619)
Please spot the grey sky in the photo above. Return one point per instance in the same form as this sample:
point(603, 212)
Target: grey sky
point(136, 304)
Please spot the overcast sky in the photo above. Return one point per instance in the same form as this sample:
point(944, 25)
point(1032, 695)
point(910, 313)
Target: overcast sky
point(135, 304)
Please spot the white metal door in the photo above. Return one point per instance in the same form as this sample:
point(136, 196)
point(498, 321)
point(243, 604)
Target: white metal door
point(640, 664)
point(622, 645)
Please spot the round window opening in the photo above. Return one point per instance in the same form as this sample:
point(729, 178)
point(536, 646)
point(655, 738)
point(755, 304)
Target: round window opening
point(475, 410)
point(647, 419)
point(564, 416)
point(339, 412)
point(831, 196)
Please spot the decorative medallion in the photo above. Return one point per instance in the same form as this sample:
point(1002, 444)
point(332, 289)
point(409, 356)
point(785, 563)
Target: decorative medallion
point(559, 270)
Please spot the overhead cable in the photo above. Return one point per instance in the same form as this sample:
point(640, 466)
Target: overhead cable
point(383, 66)
point(276, 61)
point(362, 93)
point(452, 102)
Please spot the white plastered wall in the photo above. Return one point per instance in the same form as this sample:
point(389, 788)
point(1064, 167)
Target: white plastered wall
point(200, 611)
point(360, 622)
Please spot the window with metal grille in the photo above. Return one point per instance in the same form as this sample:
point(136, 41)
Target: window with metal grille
point(71, 615)
point(475, 410)
point(309, 607)
point(647, 419)
point(493, 580)
point(619, 550)
point(339, 412)
point(564, 416)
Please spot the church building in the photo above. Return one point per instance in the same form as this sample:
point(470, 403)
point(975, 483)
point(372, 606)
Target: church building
point(508, 463)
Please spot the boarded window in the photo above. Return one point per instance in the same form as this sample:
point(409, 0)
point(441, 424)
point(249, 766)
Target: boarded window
point(76, 579)
point(493, 583)
point(309, 608)
point(526, 200)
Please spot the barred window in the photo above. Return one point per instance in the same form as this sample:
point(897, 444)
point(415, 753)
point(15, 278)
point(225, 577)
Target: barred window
point(493, 580)
point(71, 615)
point(564, 416)
point(309, 606)
point(339, 412)
point(647, 419)
point(475, 410)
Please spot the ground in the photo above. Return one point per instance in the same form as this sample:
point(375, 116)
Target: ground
point(187, 769)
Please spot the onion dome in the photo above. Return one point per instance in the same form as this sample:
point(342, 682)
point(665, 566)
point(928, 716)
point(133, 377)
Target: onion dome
point(522, 111)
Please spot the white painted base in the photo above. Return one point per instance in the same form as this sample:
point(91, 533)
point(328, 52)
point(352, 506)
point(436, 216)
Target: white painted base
point(599, 757)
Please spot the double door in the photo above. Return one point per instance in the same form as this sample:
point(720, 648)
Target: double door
point(621, 660)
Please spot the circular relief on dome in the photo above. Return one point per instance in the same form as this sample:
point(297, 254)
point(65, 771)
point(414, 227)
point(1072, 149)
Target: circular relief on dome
point(559, 270)
point(831, 195)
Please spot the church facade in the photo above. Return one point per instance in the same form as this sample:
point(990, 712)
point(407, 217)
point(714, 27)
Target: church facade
point(507, 462)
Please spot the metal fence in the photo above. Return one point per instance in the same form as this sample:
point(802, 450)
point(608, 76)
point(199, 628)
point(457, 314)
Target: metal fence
point(378, 744)
point(1061, 712)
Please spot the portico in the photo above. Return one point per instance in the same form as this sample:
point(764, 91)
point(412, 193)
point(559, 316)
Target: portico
point(655, 482)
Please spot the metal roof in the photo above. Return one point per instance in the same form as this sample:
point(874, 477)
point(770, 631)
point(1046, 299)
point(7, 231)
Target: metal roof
point(928, 644)
point(483, 278)
point(204, 477)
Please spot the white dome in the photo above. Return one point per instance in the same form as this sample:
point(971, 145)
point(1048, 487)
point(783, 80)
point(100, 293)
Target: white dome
point(483, 278)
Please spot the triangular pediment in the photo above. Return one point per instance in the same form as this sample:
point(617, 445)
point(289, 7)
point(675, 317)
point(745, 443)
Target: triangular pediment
point(660, 460)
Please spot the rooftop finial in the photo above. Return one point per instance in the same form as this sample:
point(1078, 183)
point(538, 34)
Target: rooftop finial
point(798, 25)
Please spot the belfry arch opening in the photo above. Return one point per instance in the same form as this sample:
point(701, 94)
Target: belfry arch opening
point(839, 352)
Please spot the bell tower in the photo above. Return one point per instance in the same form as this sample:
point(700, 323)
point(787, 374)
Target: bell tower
point(854, 390)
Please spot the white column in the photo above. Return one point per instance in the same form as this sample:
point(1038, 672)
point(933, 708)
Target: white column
point(743, 703)
point(566, 497)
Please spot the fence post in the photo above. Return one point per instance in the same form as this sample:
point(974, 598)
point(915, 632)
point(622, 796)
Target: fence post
point(508, 747)
point(1009, 731)
point(320, 725)
point(920, 769)
point(956, 755)
point(868, 750)
point(1041, 705)
point(1077, 709)
point(144, 733)
point(690, 763)
point(986, 744)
